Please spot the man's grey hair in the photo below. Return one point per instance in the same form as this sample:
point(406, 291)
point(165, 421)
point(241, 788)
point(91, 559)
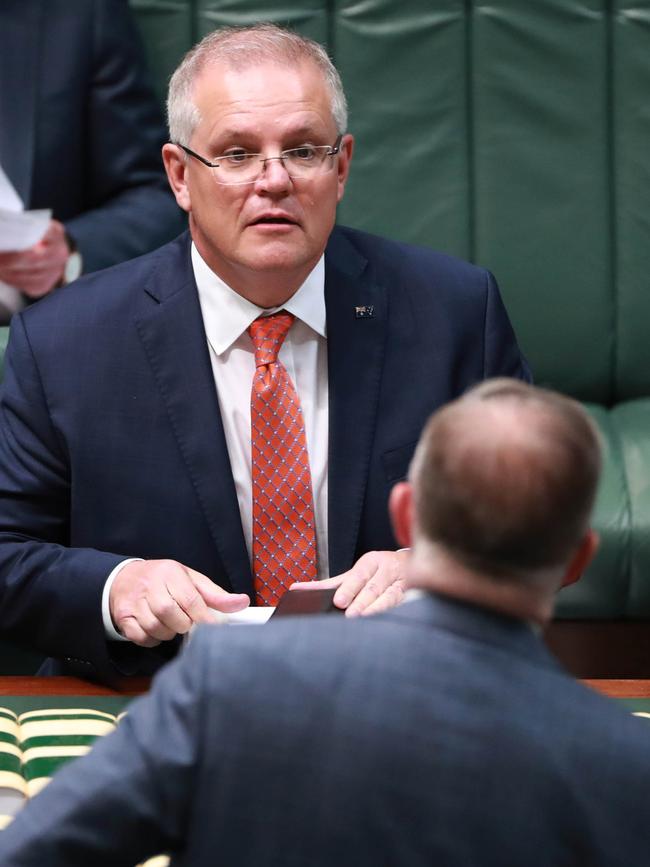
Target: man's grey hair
point(239, 48)
point(505, 478)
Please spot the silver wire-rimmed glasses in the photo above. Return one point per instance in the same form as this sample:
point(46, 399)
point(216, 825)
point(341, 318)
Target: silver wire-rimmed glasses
point(240, 167)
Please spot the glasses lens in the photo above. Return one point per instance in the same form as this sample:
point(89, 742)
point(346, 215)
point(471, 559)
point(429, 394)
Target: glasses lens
point(245, 168)
point(306, 161)
point(237, 168)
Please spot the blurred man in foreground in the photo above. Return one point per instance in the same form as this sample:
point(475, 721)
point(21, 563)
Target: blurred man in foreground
point(441, 732)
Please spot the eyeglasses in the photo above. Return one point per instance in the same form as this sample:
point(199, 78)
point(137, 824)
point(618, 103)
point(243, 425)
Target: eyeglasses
point(240, 167)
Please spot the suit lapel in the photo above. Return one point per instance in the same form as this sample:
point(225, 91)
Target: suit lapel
point(355, 346)
point(171, 330)
point(20, 34)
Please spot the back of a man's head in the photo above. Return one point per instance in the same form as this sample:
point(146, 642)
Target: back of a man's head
point(504, 479)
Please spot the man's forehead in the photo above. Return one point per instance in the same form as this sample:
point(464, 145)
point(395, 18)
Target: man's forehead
point(263, 80)
point(262, 98)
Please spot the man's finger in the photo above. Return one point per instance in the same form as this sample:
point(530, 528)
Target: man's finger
point(352, 582)
point(130, 629)
point(149, 620)
point(166, 609)
point(367, 581)
point(216, 597)
point(384, 572)
point(188, 601)
point(391, 597)
point(8, 260)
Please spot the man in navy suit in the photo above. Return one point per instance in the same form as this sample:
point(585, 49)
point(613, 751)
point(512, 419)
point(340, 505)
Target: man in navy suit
point(439, 732)
point(80, 133)
point(125, 424)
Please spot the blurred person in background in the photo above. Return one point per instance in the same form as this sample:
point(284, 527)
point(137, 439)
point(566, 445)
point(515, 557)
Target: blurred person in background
point(80, 134)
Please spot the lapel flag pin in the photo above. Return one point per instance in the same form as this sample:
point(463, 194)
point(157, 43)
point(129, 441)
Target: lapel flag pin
point(365, 312)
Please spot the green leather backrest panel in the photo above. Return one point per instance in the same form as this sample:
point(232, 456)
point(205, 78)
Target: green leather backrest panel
point(631, 174)
point(309, 17)
point(169, 30)
point(404, 72)
point(541, 206)
point(604, 589)
point(171, 27)
point(632, 423)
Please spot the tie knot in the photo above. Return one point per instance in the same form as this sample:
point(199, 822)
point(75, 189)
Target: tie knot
point(267, 334)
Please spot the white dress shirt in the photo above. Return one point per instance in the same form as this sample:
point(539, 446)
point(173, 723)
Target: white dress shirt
point(226, 317)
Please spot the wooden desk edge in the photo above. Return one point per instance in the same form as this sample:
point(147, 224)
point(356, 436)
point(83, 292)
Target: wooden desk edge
point(16, 685)
point(621, 688)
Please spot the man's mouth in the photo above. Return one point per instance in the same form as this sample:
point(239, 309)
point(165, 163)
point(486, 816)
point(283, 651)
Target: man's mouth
point(273, 221)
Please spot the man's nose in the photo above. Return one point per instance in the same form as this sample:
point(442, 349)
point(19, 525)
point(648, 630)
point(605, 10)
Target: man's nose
point(274, 176)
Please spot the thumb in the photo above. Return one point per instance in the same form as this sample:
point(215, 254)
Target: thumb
point(216, 597)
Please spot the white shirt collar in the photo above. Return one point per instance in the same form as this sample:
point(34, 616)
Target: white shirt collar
point(226, 314)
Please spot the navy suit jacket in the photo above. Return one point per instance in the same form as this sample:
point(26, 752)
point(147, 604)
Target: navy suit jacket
point(111, 441)
point(80, 131)
point(435, 734)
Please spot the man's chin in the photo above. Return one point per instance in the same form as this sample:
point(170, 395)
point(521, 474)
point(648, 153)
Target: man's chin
point(275, 255)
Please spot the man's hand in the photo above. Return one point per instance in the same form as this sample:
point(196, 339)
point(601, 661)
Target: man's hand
point(374, 583)
point(38, 269)
point(154, 600)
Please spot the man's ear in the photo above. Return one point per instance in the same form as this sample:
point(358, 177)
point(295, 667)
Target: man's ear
point(400, 507)
point(343, 164)
point(582, 557)
point(176, 168)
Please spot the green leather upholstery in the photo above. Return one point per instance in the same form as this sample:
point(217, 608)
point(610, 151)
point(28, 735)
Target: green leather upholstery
point(515, 135)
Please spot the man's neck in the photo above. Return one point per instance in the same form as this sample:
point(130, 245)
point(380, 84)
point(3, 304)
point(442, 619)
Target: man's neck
point(434, 569)
point(267, 289)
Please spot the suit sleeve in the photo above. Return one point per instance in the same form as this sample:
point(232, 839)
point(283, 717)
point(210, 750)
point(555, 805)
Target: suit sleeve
point(131, 796)
point(502, 356)
point(130, 207)
point(50, 594)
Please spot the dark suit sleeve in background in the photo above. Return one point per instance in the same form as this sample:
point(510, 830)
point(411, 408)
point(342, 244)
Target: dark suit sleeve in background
point(129, 208)
point(502, 356)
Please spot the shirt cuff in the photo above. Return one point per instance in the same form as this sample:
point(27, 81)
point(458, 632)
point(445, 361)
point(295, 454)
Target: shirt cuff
point(109, 627)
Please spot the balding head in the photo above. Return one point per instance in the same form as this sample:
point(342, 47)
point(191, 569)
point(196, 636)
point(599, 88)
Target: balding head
point(504, 481)
point(240, 48)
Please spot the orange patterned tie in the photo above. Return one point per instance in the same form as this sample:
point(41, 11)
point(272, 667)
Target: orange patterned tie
point(284, 535)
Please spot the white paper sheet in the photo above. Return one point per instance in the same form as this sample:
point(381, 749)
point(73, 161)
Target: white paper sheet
point(251, 615)
point(22, 229)
point(19, 229)
point(9, 198)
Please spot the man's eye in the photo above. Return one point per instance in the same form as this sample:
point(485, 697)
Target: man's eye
point(237, 158)
point(304, 153)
